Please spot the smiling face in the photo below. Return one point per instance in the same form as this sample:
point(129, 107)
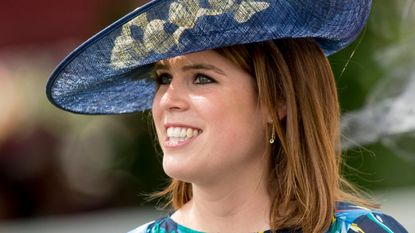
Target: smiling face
point(207, 117)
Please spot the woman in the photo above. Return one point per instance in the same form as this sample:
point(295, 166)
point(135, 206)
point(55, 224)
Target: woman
point(245, 108)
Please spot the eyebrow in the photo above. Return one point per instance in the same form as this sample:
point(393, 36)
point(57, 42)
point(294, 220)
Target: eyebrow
point(200, 66)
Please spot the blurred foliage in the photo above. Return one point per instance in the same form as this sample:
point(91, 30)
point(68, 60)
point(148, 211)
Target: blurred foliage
point(373, 166)
point(138, 160)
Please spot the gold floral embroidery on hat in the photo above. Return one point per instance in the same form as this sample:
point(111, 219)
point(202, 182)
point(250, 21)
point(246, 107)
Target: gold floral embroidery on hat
point(217, 7)
point(242, 11)
point(156, 38)
point(125, 46)
point(184, 14)
point(247, 9)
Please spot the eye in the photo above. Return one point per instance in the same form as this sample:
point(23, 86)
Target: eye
point(203, 79)
point(163, 79)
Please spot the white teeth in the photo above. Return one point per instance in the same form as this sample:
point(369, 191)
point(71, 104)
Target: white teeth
point(183, 132)
point(189, 133)
point(178, 133)
point(170, 131)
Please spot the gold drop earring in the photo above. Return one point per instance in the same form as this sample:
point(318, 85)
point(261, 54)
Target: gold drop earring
point(272, 139)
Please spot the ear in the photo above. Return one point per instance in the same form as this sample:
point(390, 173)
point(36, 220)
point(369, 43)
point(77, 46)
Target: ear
point(282, 113)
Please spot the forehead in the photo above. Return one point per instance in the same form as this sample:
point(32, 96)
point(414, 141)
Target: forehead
point(207, 56)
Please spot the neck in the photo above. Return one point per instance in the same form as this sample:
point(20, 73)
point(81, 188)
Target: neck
point(236, 203)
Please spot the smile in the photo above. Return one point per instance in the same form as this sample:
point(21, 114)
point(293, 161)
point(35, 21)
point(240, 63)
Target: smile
point(177, 136)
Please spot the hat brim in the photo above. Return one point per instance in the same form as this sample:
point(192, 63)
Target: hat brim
point(111, 72)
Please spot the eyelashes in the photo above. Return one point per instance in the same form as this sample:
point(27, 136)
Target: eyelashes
point(163, 78)
point(203, 79)
point(197, 78)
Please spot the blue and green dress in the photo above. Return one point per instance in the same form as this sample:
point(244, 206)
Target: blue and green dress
point(347, 218)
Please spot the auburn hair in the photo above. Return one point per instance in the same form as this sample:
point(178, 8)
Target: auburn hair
point(305, 181)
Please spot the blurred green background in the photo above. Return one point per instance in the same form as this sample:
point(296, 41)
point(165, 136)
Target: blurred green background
point(390, 30)
point(56, 165)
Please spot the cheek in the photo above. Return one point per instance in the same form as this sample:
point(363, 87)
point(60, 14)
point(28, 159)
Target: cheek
point(236, 122)
point(246, 119)
point(155, 108)
point(156, 113)
point(156, 101)
point(209, 108)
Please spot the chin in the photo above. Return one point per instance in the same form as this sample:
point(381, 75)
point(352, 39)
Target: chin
point(178, 171)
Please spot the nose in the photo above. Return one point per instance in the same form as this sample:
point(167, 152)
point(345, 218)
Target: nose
point(174, 97)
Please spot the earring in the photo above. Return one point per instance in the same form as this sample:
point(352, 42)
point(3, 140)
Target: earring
point(272, 139)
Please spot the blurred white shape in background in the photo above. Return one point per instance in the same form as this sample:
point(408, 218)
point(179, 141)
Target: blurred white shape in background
point(388, 116)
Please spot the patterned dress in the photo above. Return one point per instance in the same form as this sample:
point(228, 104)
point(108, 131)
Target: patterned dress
point(347, 218)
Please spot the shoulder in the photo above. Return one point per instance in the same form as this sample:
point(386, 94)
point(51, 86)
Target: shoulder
point(351, 218)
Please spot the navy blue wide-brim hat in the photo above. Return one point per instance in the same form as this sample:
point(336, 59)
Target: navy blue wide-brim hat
point(111, 72)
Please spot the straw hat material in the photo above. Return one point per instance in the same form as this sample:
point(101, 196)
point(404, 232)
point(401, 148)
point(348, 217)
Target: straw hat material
point(111, 72)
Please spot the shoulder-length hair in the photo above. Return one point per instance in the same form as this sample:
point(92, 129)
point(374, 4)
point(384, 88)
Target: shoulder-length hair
point(305, 181)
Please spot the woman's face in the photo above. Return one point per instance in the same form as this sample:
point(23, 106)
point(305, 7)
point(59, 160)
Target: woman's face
point(207, 117)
